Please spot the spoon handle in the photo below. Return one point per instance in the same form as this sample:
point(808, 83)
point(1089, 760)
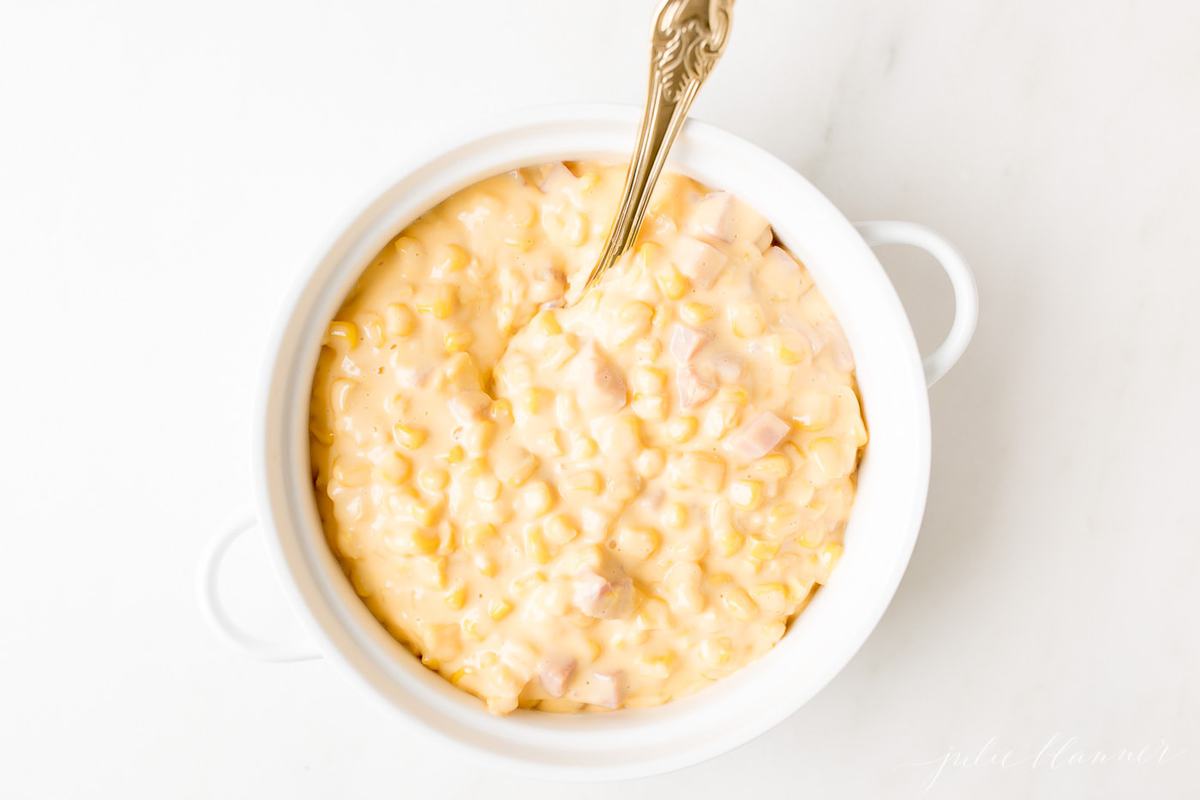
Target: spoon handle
point(689, 37)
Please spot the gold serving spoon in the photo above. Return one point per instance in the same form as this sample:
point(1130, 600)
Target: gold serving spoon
point(689, 36)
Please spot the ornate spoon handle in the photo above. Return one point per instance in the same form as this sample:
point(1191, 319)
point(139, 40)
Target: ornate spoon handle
point(689, 37)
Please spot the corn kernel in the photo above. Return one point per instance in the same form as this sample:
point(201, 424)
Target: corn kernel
point(675, 515)
point(583, 448)
point(470, 628)
point(671, 282)
point(829, 555)
point(729, 541)
point(650, 462)
point(535, 545)
point(771, 596)
point(761, 550)
point(783, 518)
point(348, 472)
point(696, 314)
point(409, 436)
point(680, 429)
point(811, 538)
point(698, 470)
point(746, 495)
point(486, 565)
point(546, 323)
point(649, 406)
point(413, 540)
point(534, 400)
point(456, 598)
point(479, 437)
point(559, 529)
point(425, 514)
point(457, 341)
point(477, 536)
point(407, 246)
point(372, 328)
point(399, 320)
point(647, 254)
point(587, 480)
point(656, 665)
point(638, 542)
point(717, 651)
point(394, 468)
point(519, 470)
point(747, 321)
point(634, 320)
point(773, 467)
point(455, 455)
point(455, 258)
point(433, 479)
point(343, 331)
point(739, 603)
point(501, 410)
point(457, 676)
point(789, 350)
point(440, 300)
point(537, 498)
point(499, 609)
point(649, 380)
point(487, 489)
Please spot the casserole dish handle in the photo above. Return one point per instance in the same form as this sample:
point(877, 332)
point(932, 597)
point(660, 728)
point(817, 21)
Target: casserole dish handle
point(214, 607)
point(966, 296)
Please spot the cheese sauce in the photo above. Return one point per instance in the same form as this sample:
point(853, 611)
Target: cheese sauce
point(571, 500)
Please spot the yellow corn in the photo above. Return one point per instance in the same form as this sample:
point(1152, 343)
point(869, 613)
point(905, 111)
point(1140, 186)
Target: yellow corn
point(738, 603)
point(546, 323)
point(440, 300)
point(456, 598)
point(399, 320)
point(671, 282)
point(559, 529)
point(585, 481)
point(537, 498)
point(394, 468)
point(535, 545)
point(478, 535)
point(343, 331)
point(649, 380)
point(487, 489)
point(649, 406)
point(499, 609)
point(761, 550)
point(696, 314)
point(746, 495)
point(773, 467)
point(409, 436)
point(729, 541)
point(455, 258)
point(771, 596)
point(747, 321)
point(675, 515)
point(680, 429)
point(457, 341)
point(433, 479)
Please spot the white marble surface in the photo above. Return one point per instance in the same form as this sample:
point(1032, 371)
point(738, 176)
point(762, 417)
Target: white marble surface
point(165, 169)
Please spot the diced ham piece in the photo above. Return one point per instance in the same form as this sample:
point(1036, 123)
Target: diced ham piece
point(722, 217)
point(606, 689)
point(729, 369)
point(699, 261)
point(469, 406)
point(554, 674)
point(604, 390)
point(757, 437)
point(686, 342)
point(692, 388)
point(555, 176)
point(603, 596)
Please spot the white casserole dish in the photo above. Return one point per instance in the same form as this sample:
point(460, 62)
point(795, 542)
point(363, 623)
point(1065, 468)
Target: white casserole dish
point(893, 478)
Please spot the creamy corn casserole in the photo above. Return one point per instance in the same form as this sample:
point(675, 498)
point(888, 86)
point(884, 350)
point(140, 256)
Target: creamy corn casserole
point(573, 500)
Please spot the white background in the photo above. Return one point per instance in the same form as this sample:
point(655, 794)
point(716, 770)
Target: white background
point(167, 168)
